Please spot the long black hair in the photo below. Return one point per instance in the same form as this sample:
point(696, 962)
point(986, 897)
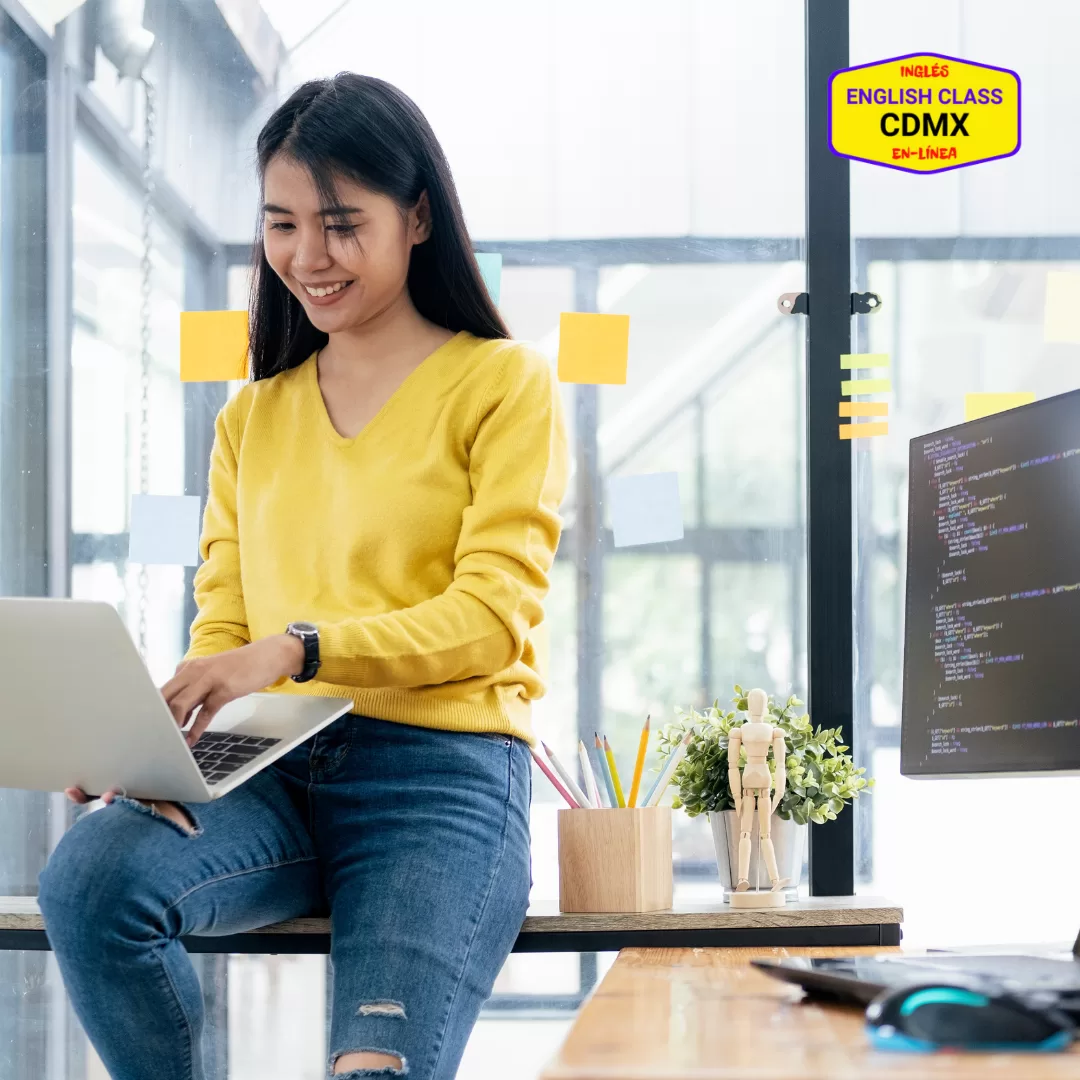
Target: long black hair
point(368, 131)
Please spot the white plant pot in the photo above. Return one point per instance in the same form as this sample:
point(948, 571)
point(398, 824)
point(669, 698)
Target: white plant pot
point(789, 843)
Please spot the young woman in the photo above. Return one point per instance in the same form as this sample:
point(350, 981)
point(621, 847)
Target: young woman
point(389, 479)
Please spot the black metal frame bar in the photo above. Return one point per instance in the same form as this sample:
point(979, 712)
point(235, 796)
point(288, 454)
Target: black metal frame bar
point(584, 941)
point(828, 458)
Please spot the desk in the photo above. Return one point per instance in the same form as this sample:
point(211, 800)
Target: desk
point(705, 1014)
point(832, 920)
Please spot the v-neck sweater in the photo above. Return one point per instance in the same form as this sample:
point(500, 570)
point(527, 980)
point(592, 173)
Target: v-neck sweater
point(420, 548)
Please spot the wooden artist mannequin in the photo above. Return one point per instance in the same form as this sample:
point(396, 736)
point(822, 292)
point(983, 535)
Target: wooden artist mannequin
point(752, 789)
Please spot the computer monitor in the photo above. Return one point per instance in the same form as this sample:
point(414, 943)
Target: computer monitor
point(992, 629)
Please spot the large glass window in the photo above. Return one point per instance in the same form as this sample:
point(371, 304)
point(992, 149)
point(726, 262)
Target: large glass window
point(627, 163)
point(116, 421)
point(960, 261)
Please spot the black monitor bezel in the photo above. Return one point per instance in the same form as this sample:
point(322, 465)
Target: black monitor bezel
point(952, 773)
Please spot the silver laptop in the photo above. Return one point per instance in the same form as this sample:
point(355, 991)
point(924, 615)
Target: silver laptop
point(78, 709)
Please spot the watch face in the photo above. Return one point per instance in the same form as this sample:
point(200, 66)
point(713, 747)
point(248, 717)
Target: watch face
point(304, 627)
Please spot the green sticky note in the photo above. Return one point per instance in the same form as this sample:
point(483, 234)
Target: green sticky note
point(848, 361)
point(865, 386)
point(491, 271)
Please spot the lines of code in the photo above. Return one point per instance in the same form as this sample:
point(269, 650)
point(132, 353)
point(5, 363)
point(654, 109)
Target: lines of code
point(991, 683)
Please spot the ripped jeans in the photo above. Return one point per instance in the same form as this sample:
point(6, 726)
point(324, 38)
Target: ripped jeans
point(414, 841)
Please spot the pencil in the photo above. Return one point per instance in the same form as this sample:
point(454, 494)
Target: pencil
point(583, 800)
point(605, 772)
point(635, 783)
point(590, 776)
point(614, 773)
point(664, 778)
point(553, 778)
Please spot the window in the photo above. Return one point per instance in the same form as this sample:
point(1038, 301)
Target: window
point(960, 261)
point(649, 164)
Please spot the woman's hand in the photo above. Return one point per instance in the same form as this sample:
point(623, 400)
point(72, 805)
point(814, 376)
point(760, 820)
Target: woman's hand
point(213, 681)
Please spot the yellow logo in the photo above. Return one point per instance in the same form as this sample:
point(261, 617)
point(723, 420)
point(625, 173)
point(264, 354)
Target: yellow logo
point(924, 113)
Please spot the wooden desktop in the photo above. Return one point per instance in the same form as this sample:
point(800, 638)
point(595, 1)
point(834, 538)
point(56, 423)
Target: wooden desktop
point(706, 1014)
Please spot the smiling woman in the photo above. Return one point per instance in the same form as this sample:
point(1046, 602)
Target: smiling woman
point(357, 198)
point(381, 521)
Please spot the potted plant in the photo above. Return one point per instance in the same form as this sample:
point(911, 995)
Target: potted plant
point(821, 780)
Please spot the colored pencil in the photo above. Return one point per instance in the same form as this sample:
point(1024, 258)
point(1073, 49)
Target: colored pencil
point(605, 772)
point(580, 797)
point(553, 778)
point(664, 778)
point(615, 783)
point(590, 776)
point(635, 783)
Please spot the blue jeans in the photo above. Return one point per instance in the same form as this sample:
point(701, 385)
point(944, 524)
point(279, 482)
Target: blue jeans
point(414, 841)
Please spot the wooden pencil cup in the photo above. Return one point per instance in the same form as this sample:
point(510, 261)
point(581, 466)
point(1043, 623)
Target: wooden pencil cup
point(615, 859)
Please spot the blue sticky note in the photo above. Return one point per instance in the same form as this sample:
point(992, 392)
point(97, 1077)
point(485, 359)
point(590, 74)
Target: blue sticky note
point(164, 529)
point(491, 272)
point(645, 509)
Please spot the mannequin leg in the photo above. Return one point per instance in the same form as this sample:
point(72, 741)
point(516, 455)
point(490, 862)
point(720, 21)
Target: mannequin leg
point(768, 853)
point(746, 823)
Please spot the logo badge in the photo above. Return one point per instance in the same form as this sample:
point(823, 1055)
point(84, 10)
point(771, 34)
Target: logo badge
point(924, 113)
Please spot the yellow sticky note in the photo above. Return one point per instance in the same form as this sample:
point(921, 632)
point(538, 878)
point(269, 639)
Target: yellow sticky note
point(593, 348)
point(864, 431)
point(864, 408)
point(213, 346)
point(979, 405)
point(863, 360)
point(1061, 318)
point(865, 386)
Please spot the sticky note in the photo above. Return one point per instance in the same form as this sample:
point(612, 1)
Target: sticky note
point(213, 346)
point(863, 431)
point(164, 529)
point(865, 386)
point(848, 361)
point(593, 348)
point(979, 405)
point(864, 408)
point(645, 509)
point(1061, 317)
point(491, 272)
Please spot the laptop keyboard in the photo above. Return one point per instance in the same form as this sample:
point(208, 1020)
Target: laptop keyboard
point(219, 754)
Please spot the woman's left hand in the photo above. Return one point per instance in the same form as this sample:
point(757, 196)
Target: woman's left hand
point(214, 681)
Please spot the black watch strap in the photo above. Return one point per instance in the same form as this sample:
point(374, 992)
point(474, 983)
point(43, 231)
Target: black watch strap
point(308, 634)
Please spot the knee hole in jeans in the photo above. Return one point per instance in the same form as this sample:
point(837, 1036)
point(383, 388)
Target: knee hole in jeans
point(180, 818)
point(366, 1063)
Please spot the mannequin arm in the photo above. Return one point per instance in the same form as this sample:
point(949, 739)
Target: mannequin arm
point(734, 776)
point(779, 753)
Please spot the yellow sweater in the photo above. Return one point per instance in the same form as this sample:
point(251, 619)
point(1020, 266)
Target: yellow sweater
point(420, 548)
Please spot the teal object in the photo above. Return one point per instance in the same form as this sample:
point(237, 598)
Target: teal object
point(649, 794)
point(880, 1040)
point(942, 995)
point(605, 772)
point(491, 271)
point(886, 1023)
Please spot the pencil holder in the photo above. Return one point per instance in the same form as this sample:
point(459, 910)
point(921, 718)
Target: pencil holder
point(615, 860)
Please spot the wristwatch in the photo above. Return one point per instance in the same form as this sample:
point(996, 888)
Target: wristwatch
point(308, 634)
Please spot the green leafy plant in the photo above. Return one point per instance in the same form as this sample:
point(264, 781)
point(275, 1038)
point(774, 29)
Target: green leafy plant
point(821, 775)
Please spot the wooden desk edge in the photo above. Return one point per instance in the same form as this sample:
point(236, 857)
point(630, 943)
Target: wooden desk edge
point(19, 913)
